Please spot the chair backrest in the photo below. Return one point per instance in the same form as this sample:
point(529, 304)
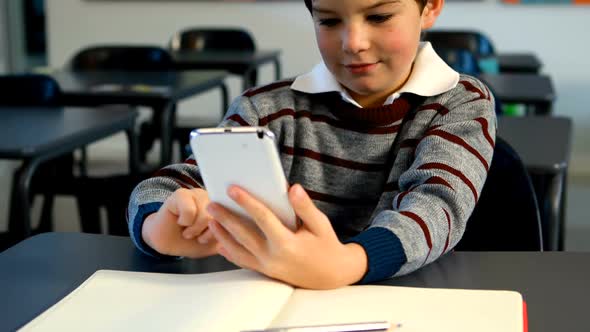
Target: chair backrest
point(213, 39)
point(29, 90)
point(474, 41)
point(506, 217)
point(459, 59)
point(116, 57)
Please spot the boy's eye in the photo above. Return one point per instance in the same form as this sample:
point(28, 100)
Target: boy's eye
point(379, 18)
point(329, 22)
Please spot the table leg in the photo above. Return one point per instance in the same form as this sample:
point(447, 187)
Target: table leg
point(20, 208)
point(166, 114)
point(224, 99)
point(550, 194)
point(277, 64)
point(133, 141)
point(248, 79)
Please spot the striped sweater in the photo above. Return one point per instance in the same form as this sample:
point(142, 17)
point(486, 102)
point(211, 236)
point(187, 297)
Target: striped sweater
point(401, 180)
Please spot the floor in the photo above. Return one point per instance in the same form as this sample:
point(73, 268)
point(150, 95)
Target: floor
point(109, 156)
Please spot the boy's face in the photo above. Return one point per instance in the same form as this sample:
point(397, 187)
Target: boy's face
point(370, 45)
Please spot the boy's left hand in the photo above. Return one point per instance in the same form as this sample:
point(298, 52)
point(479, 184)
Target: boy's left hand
point(312, 257)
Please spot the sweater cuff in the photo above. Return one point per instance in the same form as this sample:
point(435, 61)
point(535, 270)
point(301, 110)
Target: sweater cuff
point(136, 225)
point(385, 253)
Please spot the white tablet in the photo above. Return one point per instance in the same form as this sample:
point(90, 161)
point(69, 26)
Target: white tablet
point(247, 157)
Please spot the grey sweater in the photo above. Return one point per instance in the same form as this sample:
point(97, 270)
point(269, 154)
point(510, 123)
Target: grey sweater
point(401, 180)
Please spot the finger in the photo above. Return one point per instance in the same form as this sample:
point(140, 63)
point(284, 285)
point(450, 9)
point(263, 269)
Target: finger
point(313, 219)
point(264, 218)
point(194, 249)
point(206, 237)
point(229, 248)
point(182, 205)
point(240, 229)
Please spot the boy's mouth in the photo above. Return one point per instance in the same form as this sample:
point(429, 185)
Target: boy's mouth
point(360, 68)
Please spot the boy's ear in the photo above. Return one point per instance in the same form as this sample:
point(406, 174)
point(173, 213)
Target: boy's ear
point(430, 13)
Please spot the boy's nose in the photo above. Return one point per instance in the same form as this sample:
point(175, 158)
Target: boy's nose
point(354, 39)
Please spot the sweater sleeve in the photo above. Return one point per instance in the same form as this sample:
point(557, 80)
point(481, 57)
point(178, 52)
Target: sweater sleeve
point(439, 190)
point(150, 194)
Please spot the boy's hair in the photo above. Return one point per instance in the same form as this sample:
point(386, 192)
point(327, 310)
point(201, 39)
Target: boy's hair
point(421, 3)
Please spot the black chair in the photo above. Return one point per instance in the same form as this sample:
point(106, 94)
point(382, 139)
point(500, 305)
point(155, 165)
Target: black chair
point(112, 191)
point(29, 90)
point(474, 41)
point(207, 39)
point(33, 90)
point(116, 57)
point(127, 58)
point(216, 40)
point(506, 217)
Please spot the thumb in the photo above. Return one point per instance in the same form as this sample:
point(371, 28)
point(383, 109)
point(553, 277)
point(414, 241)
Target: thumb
point(313, 219)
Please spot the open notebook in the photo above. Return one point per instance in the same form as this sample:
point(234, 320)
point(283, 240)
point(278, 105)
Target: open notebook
point(243, 300)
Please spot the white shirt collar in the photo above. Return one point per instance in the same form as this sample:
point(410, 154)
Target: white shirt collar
point(430, 76)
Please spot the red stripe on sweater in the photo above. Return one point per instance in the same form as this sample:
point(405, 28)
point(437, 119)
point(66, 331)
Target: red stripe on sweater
point(422, 225)
point(254, 91)
point(459, 141)
point(327, 120)
point(339, 200)
point(472, 88)
point(332, 160)
point(449, 233)
point(485, 129)
point(431, 180)
point(438, 180)
point(190, 161)
point(453, 171)
point(237, 118)
point(177, 176)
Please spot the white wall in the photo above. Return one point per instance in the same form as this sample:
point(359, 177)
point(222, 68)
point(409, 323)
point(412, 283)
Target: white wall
point(557, 34)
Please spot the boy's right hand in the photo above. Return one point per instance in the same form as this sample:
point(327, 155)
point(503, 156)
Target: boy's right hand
point(179, 228)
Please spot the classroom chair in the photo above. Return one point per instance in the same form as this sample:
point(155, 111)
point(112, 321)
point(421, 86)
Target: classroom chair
point(118, 57)
point(112, 191)
point(475, 42)
point(506, 217)
point(127, 58)
point(35, 90)
point(212, 39)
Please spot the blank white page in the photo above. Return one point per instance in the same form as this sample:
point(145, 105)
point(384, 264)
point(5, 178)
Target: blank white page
point(136, 301)
point(417, 309)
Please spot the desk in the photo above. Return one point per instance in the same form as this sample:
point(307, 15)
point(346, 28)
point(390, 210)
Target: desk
point(35, 135)
point(158, 90)
point(41, 270)
point(544, 145)
point(519, 63)
point(536, 91)
point(241, 63)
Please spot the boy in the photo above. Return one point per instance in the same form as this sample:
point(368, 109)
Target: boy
point(387, 149)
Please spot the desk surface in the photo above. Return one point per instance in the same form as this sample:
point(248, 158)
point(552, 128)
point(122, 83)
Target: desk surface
point(520, 88)
point(41, 270)
point(133, 87)
point(32, 131)
point(543, 142)
point(519, 62)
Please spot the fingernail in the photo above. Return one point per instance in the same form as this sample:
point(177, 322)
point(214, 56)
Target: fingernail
point(232, 192)
point(297, 191)
point(211, 209)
